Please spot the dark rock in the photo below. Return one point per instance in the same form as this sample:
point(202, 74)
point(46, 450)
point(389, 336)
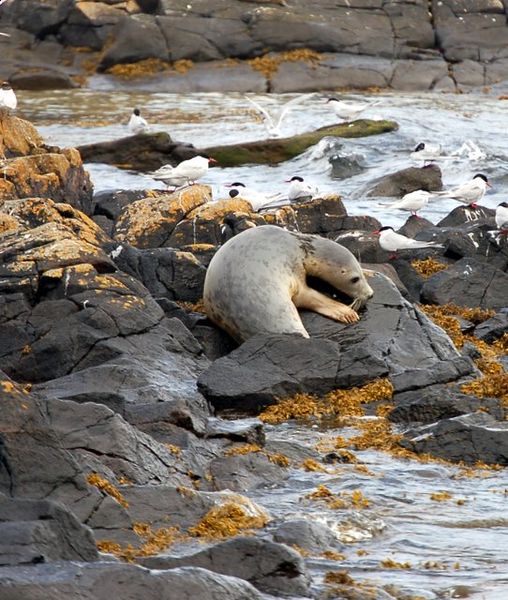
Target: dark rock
point(141, 152)
point(241, 472)
point(484, 30)
point(44, 79)
point(416, 352)
point(471, 350)
point(408, 180)
point(135, 39)
point(312, 536)
point(111, 203)
point(272, 568)
point(464, 215)
point(33, 462)
point(439, 402)
point(90, 24)
point(494, 328)
point(41, 531)
point(165, 272)
point(268, 367)
point(469, 438)
point(122, 372)
point(42, 18)
point(469, 282)
point(106, 580)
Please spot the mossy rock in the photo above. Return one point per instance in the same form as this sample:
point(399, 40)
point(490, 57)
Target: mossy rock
point(279, 150)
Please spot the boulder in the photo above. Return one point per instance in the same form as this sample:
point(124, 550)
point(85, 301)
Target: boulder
point(104, 580)
point(242, 472)
point(429, 405)
point(408, 180)
point(41, 531)
point(494, 328)
point(42, 18)
point(134, 39)
point(41, 79)
point(468, 282)
point(268, 367)
point(312, 536)
point(150, 222)
point(391, 330)
point(470, 438)
point(165, 272)
point(270, 567)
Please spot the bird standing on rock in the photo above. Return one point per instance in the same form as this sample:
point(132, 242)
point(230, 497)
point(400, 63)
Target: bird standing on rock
point(502, 217)
point(185, 173)
point(470, 192)
point(299, 190)
point(391, 241)
point(348, 110)
point(136, 123)
point(412, 202)
point(7, 96)
point(256, 199)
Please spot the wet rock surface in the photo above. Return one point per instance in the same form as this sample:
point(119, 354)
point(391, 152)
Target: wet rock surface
point(272, 568)
point(111, 384)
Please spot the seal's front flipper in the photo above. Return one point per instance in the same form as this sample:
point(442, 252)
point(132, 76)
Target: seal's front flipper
point(318, 302)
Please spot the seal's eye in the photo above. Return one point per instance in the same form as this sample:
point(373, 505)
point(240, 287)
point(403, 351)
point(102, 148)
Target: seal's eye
point(355, 280)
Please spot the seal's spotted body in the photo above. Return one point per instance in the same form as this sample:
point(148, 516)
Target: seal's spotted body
point(257, 280)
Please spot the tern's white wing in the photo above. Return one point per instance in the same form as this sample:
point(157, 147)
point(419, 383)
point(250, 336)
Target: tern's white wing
point(268, 118)
point(291, 104)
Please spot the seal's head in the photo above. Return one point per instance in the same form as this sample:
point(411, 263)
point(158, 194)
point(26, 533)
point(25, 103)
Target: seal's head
point(335, 264)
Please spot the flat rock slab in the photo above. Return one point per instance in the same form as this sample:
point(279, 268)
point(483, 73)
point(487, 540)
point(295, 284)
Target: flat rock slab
point(469, 438)
point(271, 567)
point(106, 580)
point(279, 150)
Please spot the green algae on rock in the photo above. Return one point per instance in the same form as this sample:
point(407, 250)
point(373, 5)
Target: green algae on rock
point(278, 150)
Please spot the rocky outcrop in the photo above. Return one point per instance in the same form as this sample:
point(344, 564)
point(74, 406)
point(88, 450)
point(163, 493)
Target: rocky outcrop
point(32, 169)
point(410, 45)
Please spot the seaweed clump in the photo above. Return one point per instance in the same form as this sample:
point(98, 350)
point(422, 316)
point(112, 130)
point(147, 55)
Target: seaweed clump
point(338, 403)
point(227, 520)
point(108, 488)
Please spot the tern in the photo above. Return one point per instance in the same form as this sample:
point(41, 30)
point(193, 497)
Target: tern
point(470, 192)
point(185, 173)
point(136, 123)
point(502, 217)
point(271, 124)
point(7, 96)
point(426, 152)
point(299, 190)
point(256, 199)
point(412, 202)
point(348, 110)
point(391, 241)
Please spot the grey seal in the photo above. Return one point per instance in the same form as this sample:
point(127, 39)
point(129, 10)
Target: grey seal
point(256, 282)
